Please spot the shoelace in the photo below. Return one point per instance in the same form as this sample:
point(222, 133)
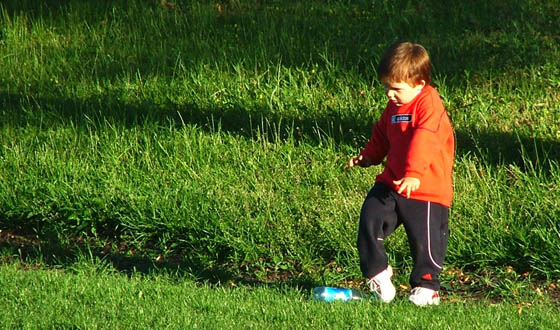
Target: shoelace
point(416, 290)
point(372, 283)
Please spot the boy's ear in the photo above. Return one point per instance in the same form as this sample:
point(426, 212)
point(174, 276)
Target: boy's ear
point(421, 83)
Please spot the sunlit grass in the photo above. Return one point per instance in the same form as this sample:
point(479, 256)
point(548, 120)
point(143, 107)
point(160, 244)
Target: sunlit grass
point(92, 297)
point(213, 137)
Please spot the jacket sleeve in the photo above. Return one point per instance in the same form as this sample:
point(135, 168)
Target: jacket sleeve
point(378, 145)
point(426, 140)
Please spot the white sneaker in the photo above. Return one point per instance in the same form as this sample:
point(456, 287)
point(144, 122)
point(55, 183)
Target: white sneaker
point(381, 285)
point(423, 296)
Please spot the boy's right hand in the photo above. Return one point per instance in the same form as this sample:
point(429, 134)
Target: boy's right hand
point(361, 160)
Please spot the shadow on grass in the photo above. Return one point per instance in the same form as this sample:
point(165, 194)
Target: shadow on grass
point(30, 253)
point(492, 147)
point(26, 247)
point(470, 36)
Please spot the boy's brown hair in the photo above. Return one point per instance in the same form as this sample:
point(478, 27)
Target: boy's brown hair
point(405, 62)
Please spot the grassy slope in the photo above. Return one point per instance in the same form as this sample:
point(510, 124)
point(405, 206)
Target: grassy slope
point(220, 136)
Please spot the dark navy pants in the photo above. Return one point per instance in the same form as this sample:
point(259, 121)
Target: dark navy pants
point(426, 226)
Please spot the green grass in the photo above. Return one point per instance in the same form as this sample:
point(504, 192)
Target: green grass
point(91, 298)
point(209, 139)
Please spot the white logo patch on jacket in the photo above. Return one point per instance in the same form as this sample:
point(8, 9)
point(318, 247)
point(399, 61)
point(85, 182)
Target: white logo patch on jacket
point(402, 118)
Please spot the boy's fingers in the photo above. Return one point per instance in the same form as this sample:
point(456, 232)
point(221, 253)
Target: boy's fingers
point(408, 185)
point(398, 183)
point(354, 161)
point(351, 163)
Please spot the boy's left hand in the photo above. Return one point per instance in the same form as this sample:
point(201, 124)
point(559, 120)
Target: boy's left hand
point(407, 183)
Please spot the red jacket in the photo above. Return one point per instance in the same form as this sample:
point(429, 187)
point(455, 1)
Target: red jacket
point(418, 141)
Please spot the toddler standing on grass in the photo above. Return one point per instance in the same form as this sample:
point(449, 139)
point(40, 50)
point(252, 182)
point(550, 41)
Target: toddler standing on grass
point(415, 189)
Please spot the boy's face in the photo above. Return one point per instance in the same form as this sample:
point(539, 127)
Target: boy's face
point(402, 92)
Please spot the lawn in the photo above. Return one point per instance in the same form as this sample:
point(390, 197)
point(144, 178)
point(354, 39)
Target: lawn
point(199, 147)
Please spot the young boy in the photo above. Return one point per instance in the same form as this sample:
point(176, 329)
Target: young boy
point(415, 189)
